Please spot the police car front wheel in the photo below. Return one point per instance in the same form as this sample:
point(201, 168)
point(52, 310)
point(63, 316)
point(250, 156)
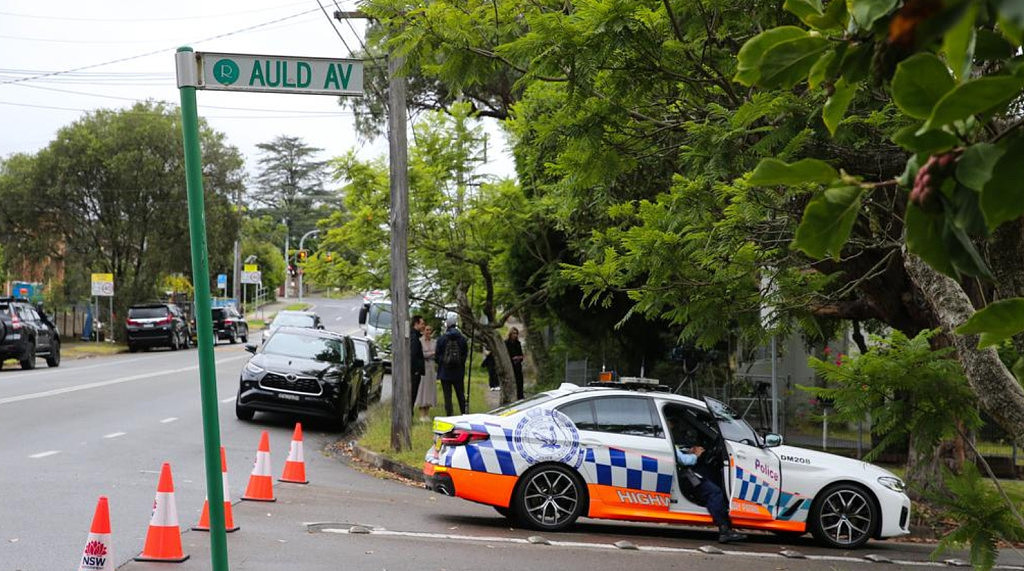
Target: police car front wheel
point(549, 498)
point(843, 516)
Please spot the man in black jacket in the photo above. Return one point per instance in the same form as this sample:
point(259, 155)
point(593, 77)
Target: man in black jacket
point(418, 364)
point(451, 364)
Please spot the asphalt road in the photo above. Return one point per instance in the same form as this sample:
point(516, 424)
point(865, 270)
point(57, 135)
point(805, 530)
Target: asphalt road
point(105, 425)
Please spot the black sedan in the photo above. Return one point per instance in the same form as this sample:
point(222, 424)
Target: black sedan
point(304, 372)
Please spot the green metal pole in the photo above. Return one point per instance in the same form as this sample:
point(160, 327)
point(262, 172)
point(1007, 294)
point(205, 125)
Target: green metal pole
point(204, 324)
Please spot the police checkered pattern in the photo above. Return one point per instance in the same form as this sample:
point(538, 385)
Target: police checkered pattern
point(793, 507)
point(753, 489)
point(615, 467)
point(494, 455)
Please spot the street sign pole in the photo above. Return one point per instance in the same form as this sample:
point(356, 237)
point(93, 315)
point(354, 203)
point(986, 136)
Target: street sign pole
point(201, 281)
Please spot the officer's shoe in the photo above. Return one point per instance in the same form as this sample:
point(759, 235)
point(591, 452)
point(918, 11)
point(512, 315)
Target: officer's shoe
point(727, 534)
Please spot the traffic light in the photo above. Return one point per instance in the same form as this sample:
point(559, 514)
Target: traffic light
point(329, 256)
point(302, 255)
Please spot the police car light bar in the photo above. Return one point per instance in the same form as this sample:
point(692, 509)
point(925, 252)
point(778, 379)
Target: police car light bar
point(639, 380)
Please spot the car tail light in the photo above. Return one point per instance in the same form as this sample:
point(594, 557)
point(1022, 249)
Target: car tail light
point(165, 321)
point(131, 322)
point(15, 322)
point(461, 436)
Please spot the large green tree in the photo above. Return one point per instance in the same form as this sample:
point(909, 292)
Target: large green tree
point(108, 195)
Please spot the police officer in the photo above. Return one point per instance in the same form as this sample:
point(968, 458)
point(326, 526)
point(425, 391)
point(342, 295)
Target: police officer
point(711, 496)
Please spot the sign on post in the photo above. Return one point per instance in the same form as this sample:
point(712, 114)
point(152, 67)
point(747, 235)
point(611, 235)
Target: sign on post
point(273, 74)
point(103, 285)
point(222, 281)
point(251, 274)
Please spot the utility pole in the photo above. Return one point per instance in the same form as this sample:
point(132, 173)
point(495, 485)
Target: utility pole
point(401, 364)
point(287, 276)
point(302, 242)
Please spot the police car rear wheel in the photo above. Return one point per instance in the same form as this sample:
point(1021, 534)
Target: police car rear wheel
point(549, 498)
point(843, 516)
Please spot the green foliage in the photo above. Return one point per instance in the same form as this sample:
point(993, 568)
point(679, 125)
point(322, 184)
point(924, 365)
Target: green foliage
point(950, 67)
point(904, 386)
point(997, 322)
point(982, 516)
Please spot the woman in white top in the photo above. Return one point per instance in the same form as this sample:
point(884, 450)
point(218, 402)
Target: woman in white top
point(426, 396)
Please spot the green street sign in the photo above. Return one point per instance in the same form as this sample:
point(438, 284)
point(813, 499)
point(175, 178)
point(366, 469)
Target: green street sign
point(272, 74)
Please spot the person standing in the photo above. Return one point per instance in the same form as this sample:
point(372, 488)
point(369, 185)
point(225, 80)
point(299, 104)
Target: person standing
point(492, 374)
point(416, 361)
point(450, 355)
point(515, 352)
point(426, 397)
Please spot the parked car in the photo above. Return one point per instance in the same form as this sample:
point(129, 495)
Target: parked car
point(289, 318)
point(26, 332)
point(157, 325)
point(302, 371)
point(229, 324)
point(609, 453)
point(372, 371)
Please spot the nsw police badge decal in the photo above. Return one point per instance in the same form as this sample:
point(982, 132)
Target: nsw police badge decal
point(545, 435)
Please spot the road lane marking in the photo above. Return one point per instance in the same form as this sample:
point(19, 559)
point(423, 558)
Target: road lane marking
point(45, 454)
point(642, 548)
point(114, 434)
point(229, 399)
point(168, 419)
point(98, 384)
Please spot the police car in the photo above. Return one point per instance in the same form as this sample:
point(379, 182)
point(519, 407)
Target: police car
point(607, 452)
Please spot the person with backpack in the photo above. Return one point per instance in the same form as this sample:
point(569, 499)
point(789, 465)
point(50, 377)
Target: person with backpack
point(450, 354)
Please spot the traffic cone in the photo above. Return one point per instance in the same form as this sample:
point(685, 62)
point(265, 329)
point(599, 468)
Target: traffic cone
point(295, 466)
point(204, 518)
point(163, 541)
point(98, 554)
point(261, 483)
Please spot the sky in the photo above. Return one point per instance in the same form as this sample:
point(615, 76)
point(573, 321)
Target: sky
point(62, 59)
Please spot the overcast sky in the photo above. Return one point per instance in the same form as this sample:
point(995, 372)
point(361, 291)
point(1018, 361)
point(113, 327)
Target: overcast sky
point(110, 53)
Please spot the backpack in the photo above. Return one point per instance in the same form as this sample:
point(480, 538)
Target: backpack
point(451, 357)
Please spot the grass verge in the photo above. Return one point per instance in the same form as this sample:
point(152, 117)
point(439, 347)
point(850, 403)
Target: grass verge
point(377, 435)
point(78, 349)
point(296, 307)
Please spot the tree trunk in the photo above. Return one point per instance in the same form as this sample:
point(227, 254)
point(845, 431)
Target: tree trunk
point(1006, 256)
point(998, 391)
point(491, 339)
point(538, 350)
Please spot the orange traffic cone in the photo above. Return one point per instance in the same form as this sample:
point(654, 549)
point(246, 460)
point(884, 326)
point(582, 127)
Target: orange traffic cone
point(98, 555)
point(261, 483)
point(163, 541)
point(295, 466)
point(229, 521)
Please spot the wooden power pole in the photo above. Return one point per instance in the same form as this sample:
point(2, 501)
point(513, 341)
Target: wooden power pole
point(401, 369)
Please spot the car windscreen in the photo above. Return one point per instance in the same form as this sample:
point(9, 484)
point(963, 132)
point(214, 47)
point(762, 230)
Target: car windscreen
point(219, 313)
point(147, 312)
point(305, 347)
point(293, 320)
point(380, 316)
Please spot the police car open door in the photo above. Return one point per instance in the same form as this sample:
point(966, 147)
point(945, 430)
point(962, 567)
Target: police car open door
point(754, 477)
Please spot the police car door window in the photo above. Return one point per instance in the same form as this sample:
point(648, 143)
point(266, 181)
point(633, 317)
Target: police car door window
point(582, 414)
point(624, 415)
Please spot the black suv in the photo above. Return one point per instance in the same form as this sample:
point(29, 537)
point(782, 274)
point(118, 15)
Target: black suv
point(157, 325)
point(26, 332)
point(229, 324)
point(302, 371)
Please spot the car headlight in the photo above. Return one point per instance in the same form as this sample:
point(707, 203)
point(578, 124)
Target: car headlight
point(253, 368)
point(893, 483)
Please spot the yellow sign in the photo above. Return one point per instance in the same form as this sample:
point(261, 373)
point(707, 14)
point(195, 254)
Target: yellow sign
point(251, 268)
point(103, 285)
point(102, 278)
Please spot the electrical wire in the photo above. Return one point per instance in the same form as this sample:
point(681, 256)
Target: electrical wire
point(336, 30)
point(155, 52)
point(51, 18)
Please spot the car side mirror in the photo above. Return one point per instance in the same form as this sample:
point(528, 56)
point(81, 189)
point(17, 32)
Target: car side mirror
point(362, 314)
point(771, 440)
point(251, 347)
point(358, 363)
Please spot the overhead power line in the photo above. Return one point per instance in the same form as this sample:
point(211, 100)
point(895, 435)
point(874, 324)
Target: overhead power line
point(155, 52)
point(52, 18)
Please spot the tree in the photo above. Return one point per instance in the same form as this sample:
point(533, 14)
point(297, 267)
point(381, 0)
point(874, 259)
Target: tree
point(949, 69)
point(290, 184)
point(108, 195)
